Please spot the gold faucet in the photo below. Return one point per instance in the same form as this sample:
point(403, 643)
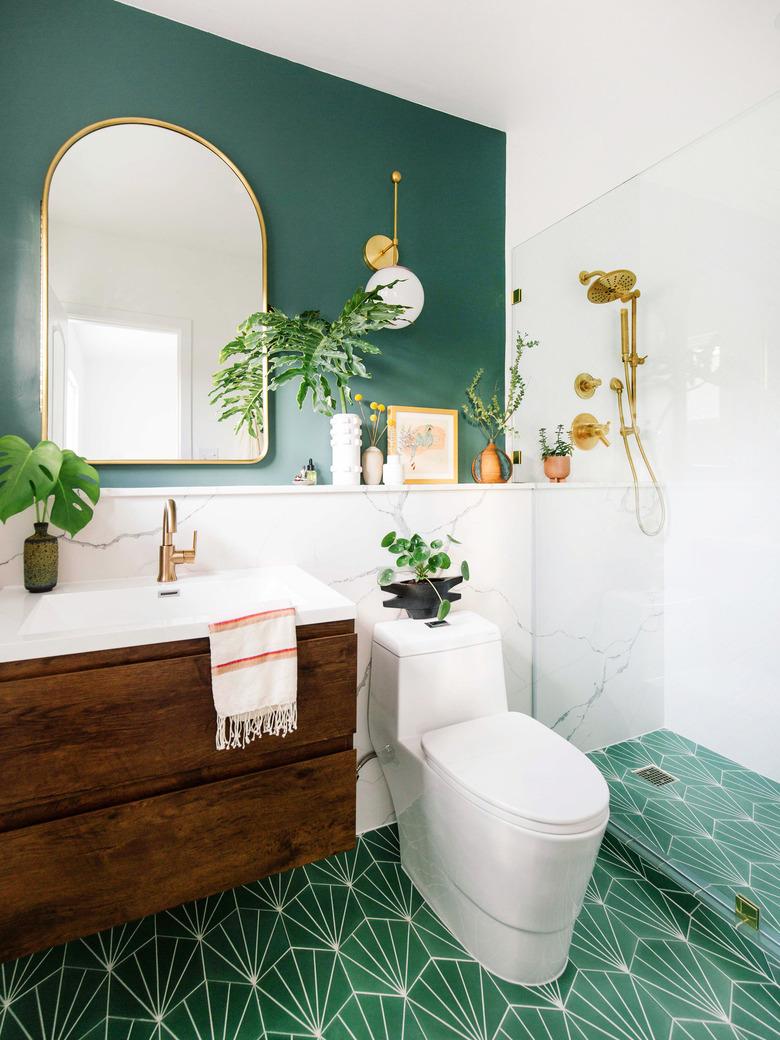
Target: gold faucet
point(170, 556)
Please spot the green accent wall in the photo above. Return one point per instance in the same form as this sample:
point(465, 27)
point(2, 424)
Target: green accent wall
point(318, 152)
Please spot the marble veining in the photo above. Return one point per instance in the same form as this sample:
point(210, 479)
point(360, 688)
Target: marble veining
point(597, 619)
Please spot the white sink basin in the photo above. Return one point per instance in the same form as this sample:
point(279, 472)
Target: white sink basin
point(102, 615)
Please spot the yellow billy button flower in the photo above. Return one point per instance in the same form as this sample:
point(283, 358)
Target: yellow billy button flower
point(374, 405)
point(382, 408)
point(358, 397)
point(373, 418)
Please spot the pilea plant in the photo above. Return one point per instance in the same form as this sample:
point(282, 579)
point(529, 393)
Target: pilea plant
point(424, 561)
point(559, 448)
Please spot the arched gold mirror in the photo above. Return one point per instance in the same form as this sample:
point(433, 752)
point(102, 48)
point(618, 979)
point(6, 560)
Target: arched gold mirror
point(153, 249)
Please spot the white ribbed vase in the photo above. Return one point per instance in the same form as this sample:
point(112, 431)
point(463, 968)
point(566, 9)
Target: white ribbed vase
point(345, 443)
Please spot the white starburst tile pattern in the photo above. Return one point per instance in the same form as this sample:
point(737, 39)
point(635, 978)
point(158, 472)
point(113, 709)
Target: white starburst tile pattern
point(345, 949)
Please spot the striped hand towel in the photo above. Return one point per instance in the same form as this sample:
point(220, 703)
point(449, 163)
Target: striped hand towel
point(254, 675)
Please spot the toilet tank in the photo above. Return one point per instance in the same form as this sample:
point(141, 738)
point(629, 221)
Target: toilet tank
point(423, 678)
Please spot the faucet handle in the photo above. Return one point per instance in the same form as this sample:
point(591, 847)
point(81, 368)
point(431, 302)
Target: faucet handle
point(188, 555)
point(585, 385)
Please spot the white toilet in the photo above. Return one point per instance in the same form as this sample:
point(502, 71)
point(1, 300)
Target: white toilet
point(500, 819)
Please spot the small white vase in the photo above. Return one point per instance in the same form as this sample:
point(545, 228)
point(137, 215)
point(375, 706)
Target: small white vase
point(345, 441)
point(393, 470)
point(373, 460)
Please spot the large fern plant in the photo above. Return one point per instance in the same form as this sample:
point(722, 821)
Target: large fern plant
point(324, 356)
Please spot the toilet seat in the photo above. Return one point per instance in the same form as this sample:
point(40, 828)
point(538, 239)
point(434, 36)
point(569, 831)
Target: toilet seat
point(514, 767)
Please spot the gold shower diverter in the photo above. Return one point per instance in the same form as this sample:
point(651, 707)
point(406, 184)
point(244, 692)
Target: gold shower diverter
point(586, 431)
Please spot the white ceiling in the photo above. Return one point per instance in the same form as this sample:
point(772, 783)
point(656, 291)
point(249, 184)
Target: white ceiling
point(501, 62)
point(588, 93)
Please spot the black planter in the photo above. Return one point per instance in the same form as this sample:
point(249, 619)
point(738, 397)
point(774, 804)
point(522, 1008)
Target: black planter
point(418, 599)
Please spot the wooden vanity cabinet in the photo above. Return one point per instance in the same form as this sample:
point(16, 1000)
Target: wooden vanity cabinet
point(114, 802)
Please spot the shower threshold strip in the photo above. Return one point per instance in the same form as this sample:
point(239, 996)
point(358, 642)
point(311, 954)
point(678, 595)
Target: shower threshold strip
point(707, 823)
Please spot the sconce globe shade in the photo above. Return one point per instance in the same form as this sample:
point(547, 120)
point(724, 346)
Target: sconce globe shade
point(407, 291)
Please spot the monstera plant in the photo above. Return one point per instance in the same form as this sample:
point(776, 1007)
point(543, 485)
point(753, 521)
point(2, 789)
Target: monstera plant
point(60, 485)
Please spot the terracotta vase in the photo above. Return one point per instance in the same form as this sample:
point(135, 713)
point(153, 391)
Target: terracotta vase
point(491, 466)
point(372, 460)
point(40, 560)
point(557, 468)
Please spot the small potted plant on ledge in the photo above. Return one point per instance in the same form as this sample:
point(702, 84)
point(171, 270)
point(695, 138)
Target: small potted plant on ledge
point(61, 486)
point(492, 465)
point(427, 593)
point(556, 456)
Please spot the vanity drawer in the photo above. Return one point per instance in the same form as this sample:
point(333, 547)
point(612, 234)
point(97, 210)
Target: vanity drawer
point(75, 876)
point(97, 736)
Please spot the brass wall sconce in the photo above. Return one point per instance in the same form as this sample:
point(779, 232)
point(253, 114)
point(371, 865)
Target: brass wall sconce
point(586, 432)
point(585, 385)
point(381, 255)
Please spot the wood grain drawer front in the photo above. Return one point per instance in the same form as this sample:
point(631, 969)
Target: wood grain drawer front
point(75, 876)
point(78, 740)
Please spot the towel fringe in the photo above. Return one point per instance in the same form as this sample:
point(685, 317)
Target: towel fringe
point(236, 731)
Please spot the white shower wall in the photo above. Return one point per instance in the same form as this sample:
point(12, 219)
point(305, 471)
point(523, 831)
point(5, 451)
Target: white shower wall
point(702, 231)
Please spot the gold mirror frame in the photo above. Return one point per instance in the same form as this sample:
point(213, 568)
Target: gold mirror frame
point(44, 342)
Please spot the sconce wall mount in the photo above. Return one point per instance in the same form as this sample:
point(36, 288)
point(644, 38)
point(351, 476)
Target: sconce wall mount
point(381, 251)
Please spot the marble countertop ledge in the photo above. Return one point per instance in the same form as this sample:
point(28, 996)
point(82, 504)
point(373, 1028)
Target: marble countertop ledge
point(207, 491)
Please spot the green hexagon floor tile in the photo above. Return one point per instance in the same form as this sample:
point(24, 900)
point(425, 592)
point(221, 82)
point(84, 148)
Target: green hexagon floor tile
point(716, 829)
point(346, 949)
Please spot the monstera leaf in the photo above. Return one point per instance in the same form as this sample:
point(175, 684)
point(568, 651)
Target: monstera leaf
point(27, 475)
point(77, 485)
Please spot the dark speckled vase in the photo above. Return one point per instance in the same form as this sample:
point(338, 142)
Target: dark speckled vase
point(41, 553)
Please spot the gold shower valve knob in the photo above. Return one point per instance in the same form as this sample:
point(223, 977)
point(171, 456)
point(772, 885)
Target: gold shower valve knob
point(587, 431)
point(585, 385)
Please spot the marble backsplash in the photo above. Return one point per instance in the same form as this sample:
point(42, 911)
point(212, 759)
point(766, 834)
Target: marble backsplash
point(591, 674)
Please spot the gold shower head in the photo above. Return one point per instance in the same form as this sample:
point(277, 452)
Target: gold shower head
point(608, 285)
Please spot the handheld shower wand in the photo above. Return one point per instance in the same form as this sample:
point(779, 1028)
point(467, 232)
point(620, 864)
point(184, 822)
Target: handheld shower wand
point(604, 287)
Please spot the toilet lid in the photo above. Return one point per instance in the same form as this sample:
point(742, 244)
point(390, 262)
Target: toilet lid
point(516, 767)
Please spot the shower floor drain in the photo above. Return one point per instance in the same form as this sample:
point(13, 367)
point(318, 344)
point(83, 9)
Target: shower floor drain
point(655, 775)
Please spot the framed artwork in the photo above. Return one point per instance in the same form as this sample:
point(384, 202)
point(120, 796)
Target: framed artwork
point(427, 441)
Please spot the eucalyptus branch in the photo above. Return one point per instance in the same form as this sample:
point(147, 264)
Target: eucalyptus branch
point(494, 417)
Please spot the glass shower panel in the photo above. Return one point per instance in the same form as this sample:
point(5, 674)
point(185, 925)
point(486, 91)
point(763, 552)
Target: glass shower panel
point(663, 650)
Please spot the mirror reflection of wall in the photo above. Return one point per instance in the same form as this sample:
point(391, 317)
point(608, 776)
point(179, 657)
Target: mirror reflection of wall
point(155, 255)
